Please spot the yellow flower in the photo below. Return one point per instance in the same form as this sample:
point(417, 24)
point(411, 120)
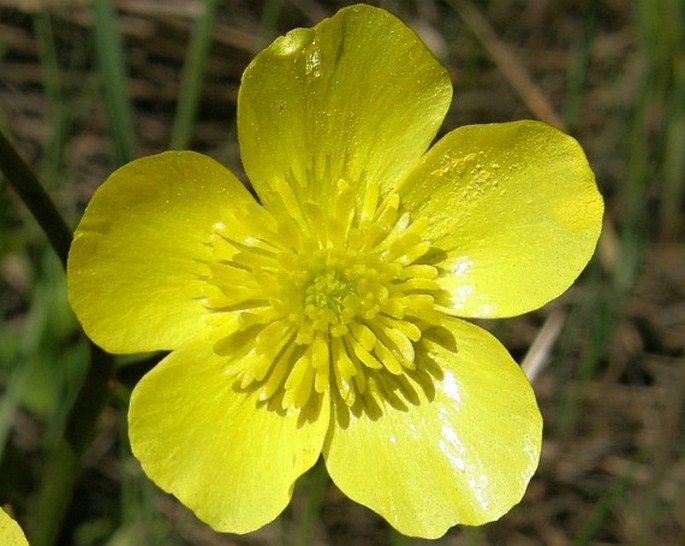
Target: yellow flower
point(322, 321)
point(10, 532)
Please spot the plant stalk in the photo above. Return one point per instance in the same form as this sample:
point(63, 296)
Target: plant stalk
point(63, 464)
point(24, 181)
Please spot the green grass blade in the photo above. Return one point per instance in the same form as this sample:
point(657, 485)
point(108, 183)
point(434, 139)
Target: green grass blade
point(267, 24)
point(579, 68)
point(112, 70)
point(26, 184)
point(52, 83)
point(606, 504)
point(194, 70)
point(63, 464)
point(674, 168)
point(315, 484)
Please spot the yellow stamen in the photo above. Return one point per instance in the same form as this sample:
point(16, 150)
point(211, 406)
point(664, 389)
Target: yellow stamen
point(325, 296)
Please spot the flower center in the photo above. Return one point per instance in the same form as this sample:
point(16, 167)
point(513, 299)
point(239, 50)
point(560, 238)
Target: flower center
point(326, 295)
point(319, 300)
point(330, 301)
point(323, 293)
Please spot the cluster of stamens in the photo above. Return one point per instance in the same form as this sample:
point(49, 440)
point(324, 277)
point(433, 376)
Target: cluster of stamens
point(316, 298)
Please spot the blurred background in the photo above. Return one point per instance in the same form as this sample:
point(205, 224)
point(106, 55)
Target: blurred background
point(86, 86)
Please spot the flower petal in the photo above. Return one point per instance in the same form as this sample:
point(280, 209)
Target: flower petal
point(138, 261)
point(357, 97)
point(457, 447)
point(516, 209)
point(10, 532)
point(230, 458)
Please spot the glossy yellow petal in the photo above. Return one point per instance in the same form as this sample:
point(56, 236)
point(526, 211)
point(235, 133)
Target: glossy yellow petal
point(358, 97)
point(227, 456)
point(139, 258)
point(10, 532)
point(457, 443)
point(516, 209)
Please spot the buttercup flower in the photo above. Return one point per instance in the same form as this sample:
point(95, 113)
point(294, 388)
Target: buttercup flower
point(10, 532)
point(322, 320)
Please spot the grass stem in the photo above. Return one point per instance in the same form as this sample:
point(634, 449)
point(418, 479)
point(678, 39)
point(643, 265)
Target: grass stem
point(112, 69)
point(194, 69)
point(63, 465)
point(317, 485)
point(25, 182)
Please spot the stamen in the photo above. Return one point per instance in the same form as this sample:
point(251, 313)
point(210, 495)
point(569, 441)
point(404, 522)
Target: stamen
point(298, 386)
point(279, 370)
point(363, 335)
point(363, 355)
point(409, 329)
point(369, 204)
point(322, 296)
point(422, 271)
point(398, 343)
point(392, 364)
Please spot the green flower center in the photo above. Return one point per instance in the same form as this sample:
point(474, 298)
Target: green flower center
point(322, 304)
point(330, 301)
point(322, 293)
point(327, 294)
